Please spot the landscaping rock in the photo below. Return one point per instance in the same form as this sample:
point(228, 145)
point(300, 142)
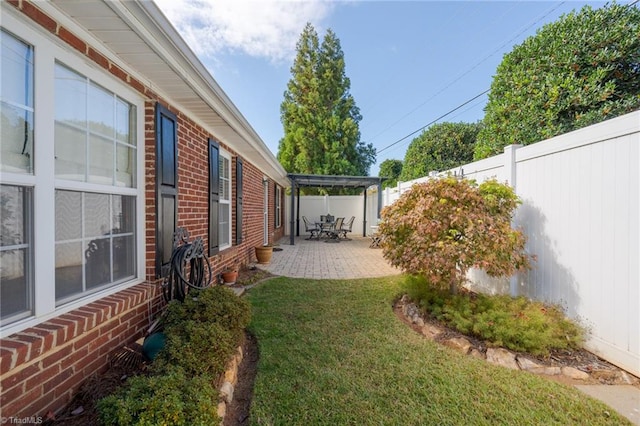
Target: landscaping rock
point(431, 331)
point(476, 353)
point(526, 364)
point(574, 373)
point(222, 409)
point(226, 392)
point(502, 357)
point(458, 343)
point(419, 322)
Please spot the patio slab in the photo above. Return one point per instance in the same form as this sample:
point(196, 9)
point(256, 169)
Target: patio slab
point(329, 260)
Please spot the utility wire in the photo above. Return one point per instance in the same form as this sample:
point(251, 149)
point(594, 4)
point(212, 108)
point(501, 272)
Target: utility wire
point(468, 71)
point(430, 123)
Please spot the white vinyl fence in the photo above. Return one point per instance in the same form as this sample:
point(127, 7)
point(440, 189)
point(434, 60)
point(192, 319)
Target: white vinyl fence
point(580, 215)
point(313, 206)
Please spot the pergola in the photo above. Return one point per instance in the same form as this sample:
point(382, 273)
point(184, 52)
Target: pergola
point(328, 181)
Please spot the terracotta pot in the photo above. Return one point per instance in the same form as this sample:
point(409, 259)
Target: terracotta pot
point(229, 277)
point(263, 254)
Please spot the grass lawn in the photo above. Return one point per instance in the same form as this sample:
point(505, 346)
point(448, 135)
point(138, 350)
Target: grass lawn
point(332, 352)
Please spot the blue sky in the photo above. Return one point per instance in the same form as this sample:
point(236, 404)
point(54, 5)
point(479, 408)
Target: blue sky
point(409, 62)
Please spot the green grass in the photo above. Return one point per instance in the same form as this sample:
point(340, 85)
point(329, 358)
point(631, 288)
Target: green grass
point(332, 352)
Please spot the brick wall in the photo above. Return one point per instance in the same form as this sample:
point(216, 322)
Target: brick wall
point(43, 366)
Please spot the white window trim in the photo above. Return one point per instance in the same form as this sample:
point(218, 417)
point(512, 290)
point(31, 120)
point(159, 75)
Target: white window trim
point(278, 209)
point(47, 51)
point(227, 203)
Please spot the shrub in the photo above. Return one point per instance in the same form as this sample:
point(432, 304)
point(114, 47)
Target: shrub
point(201, 335)
point(443, 227)
point(197, 347)
point(168, 399)
point(211, 305)
point(517, 323)
point(203, 331)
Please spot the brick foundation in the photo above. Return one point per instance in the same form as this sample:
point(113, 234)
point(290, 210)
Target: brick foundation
point(43, 366)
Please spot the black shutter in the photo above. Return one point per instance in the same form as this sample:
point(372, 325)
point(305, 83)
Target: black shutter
point(214, 196)
point(238, 200)
point(166, 186)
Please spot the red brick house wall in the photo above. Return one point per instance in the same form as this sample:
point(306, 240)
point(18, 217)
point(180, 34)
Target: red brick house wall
point(43, 366)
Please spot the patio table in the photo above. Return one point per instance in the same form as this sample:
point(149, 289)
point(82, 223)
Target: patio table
point(328, 228)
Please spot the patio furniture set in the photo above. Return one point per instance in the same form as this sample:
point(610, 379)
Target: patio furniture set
point(329, 228)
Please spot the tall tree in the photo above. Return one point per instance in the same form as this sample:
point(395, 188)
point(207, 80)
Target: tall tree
point(390, 169)
point(319, 115)
point(577, 71)
point(440, 147)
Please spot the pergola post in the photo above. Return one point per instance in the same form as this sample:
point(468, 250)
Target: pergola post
point(293, 208)
point(364, 222)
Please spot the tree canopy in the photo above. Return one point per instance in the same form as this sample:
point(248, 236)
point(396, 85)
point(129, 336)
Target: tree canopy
point(391, 170)
point(438, 148)
point(579, 70)
point(319, 115)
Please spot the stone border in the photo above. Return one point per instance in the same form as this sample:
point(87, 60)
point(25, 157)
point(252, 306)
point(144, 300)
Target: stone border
point(508, 359)
point(229, 379)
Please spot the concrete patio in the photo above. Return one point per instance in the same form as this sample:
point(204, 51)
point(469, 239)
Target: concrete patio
point(329, 260)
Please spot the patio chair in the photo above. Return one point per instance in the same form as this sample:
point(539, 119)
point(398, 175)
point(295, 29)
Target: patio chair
point(311, 228)
point(346, 227)
point(332, 231)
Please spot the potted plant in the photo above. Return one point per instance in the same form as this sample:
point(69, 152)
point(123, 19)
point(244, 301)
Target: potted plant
point(263, 253)
point(229, 274)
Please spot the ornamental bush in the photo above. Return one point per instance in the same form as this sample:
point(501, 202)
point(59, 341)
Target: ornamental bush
point(441, 228)
point(202, 333)
point(169, 399)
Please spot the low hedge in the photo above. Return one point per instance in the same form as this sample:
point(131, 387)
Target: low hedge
point(201, 336)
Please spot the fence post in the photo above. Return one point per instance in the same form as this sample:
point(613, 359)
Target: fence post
point(510, 164)
point(510, 171)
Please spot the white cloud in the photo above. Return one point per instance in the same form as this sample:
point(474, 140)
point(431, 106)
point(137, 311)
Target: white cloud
point(260, 28)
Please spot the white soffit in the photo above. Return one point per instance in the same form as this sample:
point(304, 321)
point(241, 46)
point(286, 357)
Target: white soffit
point(138, 36)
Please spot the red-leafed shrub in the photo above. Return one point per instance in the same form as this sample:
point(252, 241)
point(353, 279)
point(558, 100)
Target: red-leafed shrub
point(443, 227)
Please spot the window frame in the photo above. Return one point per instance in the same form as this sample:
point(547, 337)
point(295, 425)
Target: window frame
point(46, 52)
point(278, 206)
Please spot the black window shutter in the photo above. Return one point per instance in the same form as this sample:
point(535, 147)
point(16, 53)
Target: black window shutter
point(214, 196)
point(238, 200)
point(166, 186)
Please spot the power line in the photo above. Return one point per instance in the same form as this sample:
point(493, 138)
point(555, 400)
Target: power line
point(430, 123)
point(468, 71)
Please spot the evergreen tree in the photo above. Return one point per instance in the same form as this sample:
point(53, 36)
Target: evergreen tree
point(319, 115)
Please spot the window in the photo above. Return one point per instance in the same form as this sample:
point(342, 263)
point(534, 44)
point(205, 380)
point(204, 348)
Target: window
point(94, 143)
point(16, 157)
point(16, 278)
point(94, 137)
point(16, 92)
point(278, 209)
point(95, 242)
point(224, 218)
point(71, 206)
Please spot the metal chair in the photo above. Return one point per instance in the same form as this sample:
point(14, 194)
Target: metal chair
point(311, 228)
point(346, 227)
